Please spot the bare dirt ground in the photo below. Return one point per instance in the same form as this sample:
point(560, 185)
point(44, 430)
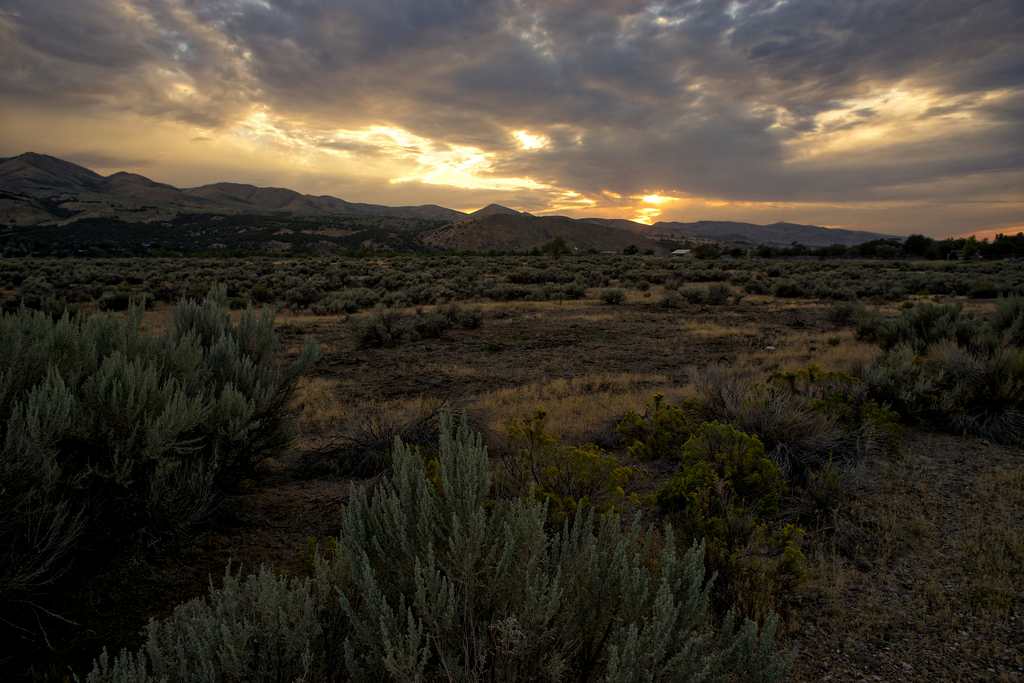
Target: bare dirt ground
point(922, 576)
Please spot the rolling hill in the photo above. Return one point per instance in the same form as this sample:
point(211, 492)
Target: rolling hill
point(493, 210)
point(502, 231)
point(776, 234)
point(40, 189)
point(37, 190)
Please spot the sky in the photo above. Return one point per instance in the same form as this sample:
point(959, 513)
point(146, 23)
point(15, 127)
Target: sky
point(897, 116)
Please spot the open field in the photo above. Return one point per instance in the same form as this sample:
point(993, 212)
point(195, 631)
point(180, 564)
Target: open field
point(911, 562)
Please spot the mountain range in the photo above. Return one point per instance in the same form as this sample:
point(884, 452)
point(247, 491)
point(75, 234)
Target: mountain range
point(39, 193)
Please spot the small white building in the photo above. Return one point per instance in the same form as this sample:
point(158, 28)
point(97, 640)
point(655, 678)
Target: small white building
point(682, 252)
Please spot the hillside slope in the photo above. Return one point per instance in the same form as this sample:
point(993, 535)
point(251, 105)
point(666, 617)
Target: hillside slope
point(776, 234)
point(522, 232)
point(40, 189)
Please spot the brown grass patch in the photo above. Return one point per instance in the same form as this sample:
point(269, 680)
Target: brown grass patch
point(319, 409)
point(711, 328)
point(579, 409)
point(993, 557)
point(838, 351)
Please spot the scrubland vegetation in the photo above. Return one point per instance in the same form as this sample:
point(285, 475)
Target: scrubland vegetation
point(513, 468)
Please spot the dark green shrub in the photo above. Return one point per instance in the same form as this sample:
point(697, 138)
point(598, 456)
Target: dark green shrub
point(758, 286)
point(432, 579)
point(381, 328)
point(116, 300)
point(919, 327)
point(796, 433)
point(954, 372)
point(362, 443)
point(660, 432)
point(727, 492)
point(715, 294)
point(719, 294)
point(303, 296)
point(570, 479)
point(463, 318)
point(865, 426)
point(740, 460)
point(385, 328)
point(258, 628)
point(613, 297)
point(1008, 321)
point(259, 293)
point(346, 301)
point(672, 299)
point(984, 289)
point(37, 293)
point(845, 312)
point(787, 289)
point(107, 431)
point(955, 388)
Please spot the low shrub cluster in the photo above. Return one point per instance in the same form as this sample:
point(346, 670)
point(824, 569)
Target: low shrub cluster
point(953, 371)
point(333, 285)
point(570, 479)
point(919, 327)
point(613, 297)
point(661, 430)
point(805, 418)
point(432, 579)
point(385, 328)
point(715, 294)
point(362, 441)
point(347, 301)
point(727, 492)
point(108, 432)
point(740, 446)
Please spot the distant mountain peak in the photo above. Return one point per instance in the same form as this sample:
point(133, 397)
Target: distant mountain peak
point(494, 210)
point(83, 194)
point(32, 173)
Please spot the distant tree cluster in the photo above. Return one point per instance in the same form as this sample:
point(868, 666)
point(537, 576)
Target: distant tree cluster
point(914, 247)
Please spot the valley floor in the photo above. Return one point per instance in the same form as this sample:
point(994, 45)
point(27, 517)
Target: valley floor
point(917, 576)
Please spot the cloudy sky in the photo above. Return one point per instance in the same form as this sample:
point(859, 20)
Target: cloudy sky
point(892, 115)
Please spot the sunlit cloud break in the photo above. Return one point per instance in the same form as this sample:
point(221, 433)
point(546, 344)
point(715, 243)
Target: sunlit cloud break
point(893, 116)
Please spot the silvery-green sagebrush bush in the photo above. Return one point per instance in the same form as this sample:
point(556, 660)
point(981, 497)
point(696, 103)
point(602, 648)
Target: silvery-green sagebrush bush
point(106, 431)
point(956, 372)
point(431, 579)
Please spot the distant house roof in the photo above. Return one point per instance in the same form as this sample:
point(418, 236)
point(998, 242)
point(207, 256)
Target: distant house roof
point(681, 252)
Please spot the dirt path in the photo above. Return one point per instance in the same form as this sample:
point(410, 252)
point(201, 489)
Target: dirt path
point(923, 578)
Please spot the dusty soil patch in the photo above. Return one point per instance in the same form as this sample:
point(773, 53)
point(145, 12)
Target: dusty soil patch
point(923, 578)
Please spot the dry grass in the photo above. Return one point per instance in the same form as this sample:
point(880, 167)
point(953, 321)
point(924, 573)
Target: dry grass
point(709, 328)
point(839, 351)
point(522, 307)
point(579, 409)
point(920, 574)
point(322, 417)
point(457, 371)
point(303, 319)
point(318, 407)
point(993, 557)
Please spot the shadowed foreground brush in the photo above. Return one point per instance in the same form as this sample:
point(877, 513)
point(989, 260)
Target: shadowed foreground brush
point(433, 580)
point(107, 432)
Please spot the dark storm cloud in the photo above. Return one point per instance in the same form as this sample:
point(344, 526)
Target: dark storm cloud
point(691, 96)
point(120, 55)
